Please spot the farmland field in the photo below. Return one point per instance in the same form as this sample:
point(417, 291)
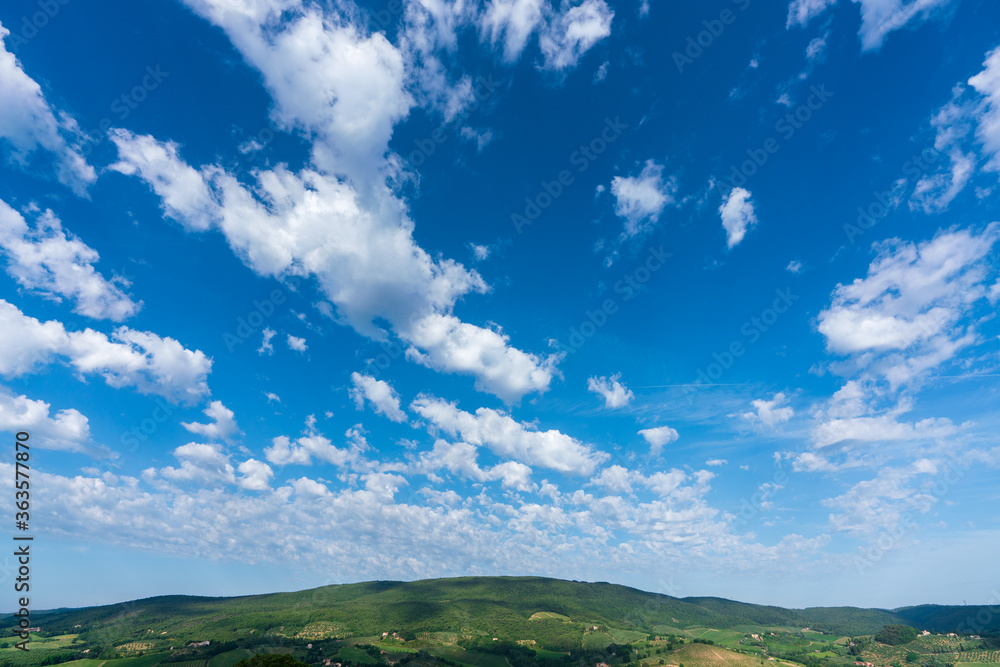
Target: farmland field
point(597, 639)
point(468, 657)
point(356, 655)
point(229, 658)
point(702, 655)
point(537, 616)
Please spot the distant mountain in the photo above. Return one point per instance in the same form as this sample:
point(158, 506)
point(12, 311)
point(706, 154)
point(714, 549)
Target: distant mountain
point(495, 606)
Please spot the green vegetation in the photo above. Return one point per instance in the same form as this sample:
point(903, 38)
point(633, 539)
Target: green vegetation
point(264, 660)
point(494, 622)
point(896, 635)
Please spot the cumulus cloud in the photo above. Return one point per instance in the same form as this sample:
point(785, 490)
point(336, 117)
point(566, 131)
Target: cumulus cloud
point(879, 504)
point(366, 262)
point(222, 427)
point(658, 438)
point(640, 200)
point(56, 264)
point(904, 317)
point(379, 393)
point(460, 458)
point(297, 344)
point(202, 464)
point(570, 33)
point(883, 428)
point(266, 347)
point(769, 413)
point(302, 521)
point(338, 219)
point(66, 430)
point(28, 124)
point(614, 393)
point(312, 445)
point(508, 438)
point(254, 475)
point(129, 358)
point(738, 216)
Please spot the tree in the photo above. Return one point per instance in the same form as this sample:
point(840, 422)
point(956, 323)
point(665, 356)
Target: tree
point(270, 660)
point(896, 635)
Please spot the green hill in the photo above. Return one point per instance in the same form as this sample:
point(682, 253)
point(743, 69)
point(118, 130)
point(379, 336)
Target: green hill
point(549, 616)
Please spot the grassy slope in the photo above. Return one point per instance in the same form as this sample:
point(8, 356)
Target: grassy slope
point(493, 606)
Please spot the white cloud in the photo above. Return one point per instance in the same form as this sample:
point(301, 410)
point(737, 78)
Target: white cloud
point(614, 393)
point(367, 263)
point(794, 266)
point(738, 216)
point(615, 479)
point(658, 437)
point(254, 475)
point(29, 124)
point(312, 445)
point(342, 87)
point(297, 344)
point(713, 463)
point(987, 84)
point(563, 36)
point(223, 425)
point(202, 464)
point(272, 397)
point(55, 263)
point(904, 317)
point(884, 428)
point(379, 393)
point(129, 358)
point(640, 200)
point(800, 12)
point(513, 22)
point(480, 252)
point(769, 413)
point(66, 430)
point(266, 347)
point(443, 342)
point(877, 505)
point(571, 33)
point(878, 17)
point(481, 139)
point(508, 438)
point(934, 193)
point(816, 48)
point(338, 220)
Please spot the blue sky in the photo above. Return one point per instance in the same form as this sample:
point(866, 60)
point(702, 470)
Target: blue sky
point(694, 297)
